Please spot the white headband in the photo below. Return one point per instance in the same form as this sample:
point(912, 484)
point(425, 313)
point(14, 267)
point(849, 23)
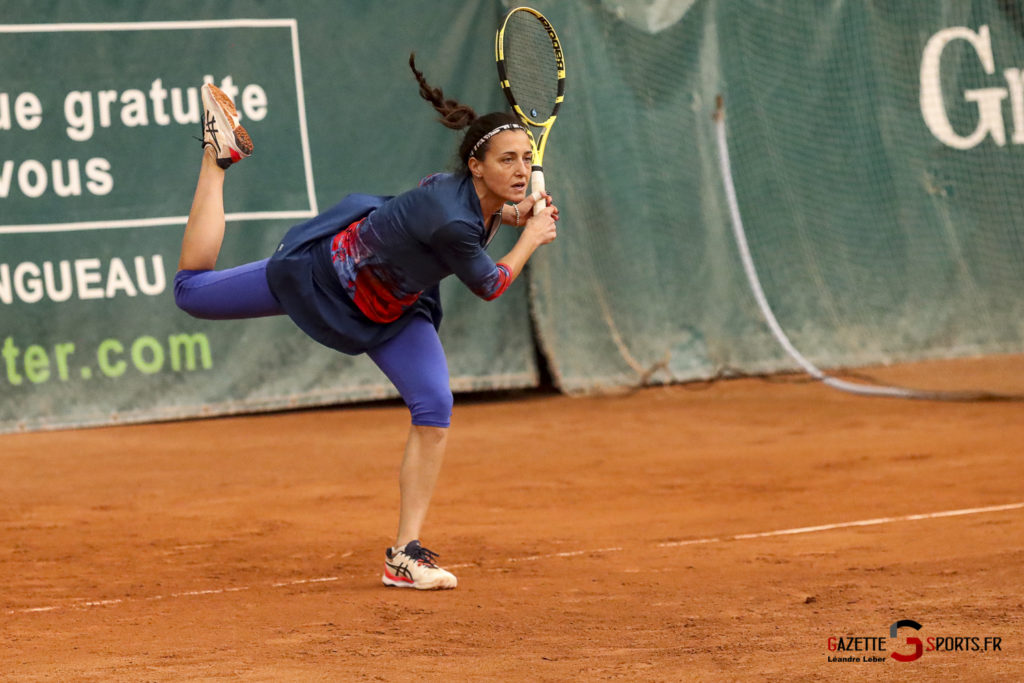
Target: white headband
point(488, 136)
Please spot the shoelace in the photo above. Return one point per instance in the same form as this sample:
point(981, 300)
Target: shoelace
point(422, 555)
point(210, 126)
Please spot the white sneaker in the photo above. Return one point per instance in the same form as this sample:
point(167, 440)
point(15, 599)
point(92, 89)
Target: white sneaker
point(413, 567)
point(221, 131)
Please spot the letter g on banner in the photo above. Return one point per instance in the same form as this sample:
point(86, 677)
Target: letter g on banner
point(916, 642)
point(988, 100)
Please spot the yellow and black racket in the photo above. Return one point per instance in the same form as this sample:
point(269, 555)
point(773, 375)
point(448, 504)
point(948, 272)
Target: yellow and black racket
point(531, 71)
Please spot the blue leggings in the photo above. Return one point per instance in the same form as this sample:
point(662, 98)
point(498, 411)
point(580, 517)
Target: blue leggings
point(413, 359)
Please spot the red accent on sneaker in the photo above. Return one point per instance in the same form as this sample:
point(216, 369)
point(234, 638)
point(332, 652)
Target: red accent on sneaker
point(235, 156)
point(397, 578)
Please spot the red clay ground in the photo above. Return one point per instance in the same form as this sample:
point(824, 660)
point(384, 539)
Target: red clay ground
point(250, 548)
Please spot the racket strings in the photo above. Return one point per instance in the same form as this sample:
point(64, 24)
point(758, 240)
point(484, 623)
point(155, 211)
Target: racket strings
point(531, 66)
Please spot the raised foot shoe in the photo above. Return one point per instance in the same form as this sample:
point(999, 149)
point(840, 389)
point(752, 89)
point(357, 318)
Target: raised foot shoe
point(413, 567)
point(221, 130)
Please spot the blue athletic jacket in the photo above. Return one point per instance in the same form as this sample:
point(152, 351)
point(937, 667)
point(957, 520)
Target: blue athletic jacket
point(353, 275)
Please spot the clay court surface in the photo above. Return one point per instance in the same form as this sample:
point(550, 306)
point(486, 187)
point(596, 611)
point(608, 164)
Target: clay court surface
point(619, 537)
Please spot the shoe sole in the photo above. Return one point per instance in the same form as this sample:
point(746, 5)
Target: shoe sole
point(398, 583)
point(241, 136)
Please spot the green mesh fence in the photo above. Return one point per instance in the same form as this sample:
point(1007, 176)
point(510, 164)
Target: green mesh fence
point(876, 156)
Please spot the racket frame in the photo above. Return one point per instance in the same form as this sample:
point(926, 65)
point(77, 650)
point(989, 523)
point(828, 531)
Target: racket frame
point(539, 141)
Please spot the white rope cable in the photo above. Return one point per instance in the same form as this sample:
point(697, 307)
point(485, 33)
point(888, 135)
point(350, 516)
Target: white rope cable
point(762, 300)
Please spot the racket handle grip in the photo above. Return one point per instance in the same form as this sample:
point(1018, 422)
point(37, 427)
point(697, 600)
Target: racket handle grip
point(537, 184)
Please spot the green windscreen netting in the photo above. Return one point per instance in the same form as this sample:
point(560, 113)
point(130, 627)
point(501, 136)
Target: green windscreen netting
point(876, 152)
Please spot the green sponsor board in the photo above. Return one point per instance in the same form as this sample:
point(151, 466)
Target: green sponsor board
point(94, 148)
point(97, 168)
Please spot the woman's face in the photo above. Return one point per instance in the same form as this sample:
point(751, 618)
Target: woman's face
point(505, 168)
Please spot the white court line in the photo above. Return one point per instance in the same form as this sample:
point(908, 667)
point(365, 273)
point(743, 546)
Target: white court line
point(300, 582)
point(848, 525)
point(569, 553)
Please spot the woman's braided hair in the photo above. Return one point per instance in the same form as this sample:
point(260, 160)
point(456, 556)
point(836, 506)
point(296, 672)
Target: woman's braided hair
point(455, 115)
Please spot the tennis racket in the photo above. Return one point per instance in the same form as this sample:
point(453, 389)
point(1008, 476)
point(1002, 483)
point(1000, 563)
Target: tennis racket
point(531, 72)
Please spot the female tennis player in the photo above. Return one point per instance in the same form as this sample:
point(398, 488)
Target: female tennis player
point(362, 277)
